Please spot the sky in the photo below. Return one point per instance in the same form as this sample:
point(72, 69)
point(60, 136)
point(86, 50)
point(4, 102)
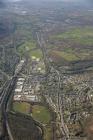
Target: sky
point(46, 0)
point(84, 1)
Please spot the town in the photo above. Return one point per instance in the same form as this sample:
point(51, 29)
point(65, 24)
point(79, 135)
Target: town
point(46, 70)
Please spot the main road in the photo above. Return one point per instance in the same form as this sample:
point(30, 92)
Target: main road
point(4, 99)
point(48, 67)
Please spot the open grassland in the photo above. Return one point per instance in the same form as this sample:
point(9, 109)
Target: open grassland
point(38, 113)
point(73, 45)
point(25, 39)
point(69, 55)
point(37, 53)
point(30, 47)
point(65, 55)
point(41, 114)
point(21, 107)
point(83, 36)
point(27, 46)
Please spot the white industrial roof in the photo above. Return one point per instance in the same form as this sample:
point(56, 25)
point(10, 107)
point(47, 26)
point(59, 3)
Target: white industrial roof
point(21, 79)
point(19, 83)
point(18, 89)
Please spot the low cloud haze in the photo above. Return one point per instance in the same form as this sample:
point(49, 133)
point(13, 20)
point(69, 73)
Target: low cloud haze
point(80, 2)
point(2, 3)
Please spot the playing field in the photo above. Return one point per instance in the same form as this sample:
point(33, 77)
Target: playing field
point(36, 53)
point(41, 114)
point(21, 107)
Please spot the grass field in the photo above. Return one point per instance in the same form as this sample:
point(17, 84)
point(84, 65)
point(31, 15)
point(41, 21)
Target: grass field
point(21, 49)
point(27, 46)
point(76, 44)
point(37, 53)
point(21, 107)
point(83, 36)
point(65, 55)
point(41, 114)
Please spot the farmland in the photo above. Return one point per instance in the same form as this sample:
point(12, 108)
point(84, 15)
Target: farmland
point(76, 44)
point(66, 56)
point(82, 36)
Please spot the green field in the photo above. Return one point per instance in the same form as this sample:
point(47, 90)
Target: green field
point(83, 36)
point(27, 46)
point(21, 107)
point(37, 53)
point(65, 55)
point(75, 42)
point(41, 114)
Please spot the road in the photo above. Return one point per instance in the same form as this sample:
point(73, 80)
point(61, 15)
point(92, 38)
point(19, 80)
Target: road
point(7, 89)
point(48, 66)
point(4, 98)
point(9, 83)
